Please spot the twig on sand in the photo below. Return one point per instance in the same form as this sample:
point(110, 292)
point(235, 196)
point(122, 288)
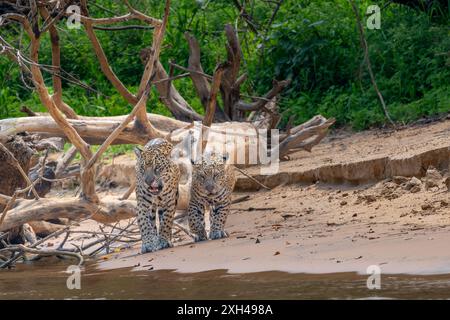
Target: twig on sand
point(61, 245)
point(251, 178)
point(18, 255)
point(240, 199)
point(182, 228)
point(260, 209)
point(110, 238)
point(23, 249)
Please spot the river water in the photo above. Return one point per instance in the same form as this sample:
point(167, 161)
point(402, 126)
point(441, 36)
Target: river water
point(43, 281)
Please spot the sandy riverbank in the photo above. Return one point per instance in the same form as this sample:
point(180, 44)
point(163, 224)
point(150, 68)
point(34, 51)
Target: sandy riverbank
point(324, 227)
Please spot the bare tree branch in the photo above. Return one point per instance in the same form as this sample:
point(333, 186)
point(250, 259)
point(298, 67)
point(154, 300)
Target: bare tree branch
point(21, 248)
point(212, 103)
point(56, 65)
point(201, 84)
point(141, 115)
point(102, 59)
point(212, 99)
point(120, 28)
point(154, 132)
point(278, 86)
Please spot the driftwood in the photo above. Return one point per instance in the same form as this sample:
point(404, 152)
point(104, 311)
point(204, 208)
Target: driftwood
point(44, 228)
point(96, 130)
point(231, 112)
point(23, 249)
point(18, 255)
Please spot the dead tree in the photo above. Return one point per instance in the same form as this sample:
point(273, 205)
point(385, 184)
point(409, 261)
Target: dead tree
point(39, 18)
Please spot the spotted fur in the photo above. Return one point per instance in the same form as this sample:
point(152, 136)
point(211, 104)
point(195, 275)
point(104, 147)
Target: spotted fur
point(212, 184)
point(156, 192)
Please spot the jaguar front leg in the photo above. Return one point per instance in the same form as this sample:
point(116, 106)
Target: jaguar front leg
point(146, 217)
point(166, 216)
point(218, 218)
point(196, 217)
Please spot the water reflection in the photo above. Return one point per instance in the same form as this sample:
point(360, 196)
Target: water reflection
point(49, 282)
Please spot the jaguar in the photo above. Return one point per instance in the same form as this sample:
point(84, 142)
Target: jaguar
point(213, 182)
point(157, 179)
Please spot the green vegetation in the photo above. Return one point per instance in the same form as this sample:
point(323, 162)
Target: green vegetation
point(110, 153)
point(315, 43)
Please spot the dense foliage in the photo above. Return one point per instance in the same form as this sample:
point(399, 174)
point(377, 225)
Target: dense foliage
point(315, 43)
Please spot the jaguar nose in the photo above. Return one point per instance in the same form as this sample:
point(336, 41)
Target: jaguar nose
point(149, 181)
point(209, 188)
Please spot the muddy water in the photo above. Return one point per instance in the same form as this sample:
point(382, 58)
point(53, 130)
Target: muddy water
point(49, 282)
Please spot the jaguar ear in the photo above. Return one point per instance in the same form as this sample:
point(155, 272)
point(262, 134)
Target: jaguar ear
point(225, 157)
point(196, 163)
point(138, 152)
point(169, 150)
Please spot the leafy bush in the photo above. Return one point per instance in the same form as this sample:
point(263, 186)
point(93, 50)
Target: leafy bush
point(317, 46)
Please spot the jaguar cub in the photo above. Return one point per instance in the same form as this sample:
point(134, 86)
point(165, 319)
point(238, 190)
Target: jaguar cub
point(156, 192)
point(212, 184)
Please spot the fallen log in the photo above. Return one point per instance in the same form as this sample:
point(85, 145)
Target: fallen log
point(96, 130)
point(72, 208)
point(44, 228)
